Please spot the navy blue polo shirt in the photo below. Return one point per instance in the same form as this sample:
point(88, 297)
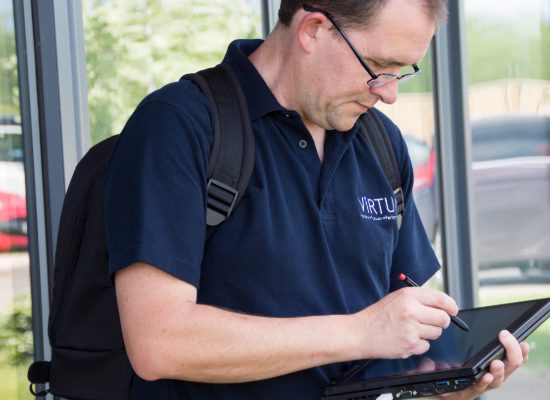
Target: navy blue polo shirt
point(308, 238)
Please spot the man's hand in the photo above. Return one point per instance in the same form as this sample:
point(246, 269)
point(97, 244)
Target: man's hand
point(499, 371)
point(401, 324)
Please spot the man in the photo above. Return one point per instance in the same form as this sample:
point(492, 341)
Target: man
point(301, 278)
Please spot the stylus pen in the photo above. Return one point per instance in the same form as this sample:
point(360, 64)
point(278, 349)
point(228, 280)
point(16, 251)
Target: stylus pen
point(454, 319)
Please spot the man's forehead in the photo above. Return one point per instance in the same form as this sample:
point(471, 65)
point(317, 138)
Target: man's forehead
point(389, 53)
point(392, 49)
point(400, 35)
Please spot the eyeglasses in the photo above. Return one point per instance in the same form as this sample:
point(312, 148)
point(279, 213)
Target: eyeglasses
point(377, 80)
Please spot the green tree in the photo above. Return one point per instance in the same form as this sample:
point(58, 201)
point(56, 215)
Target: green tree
point(543, 48)
point(423, 82)
point(16, 341)
point(134, 47)
point(502, 50)
point(9, 85)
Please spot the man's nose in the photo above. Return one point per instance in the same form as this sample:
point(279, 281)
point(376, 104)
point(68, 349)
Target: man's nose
point(387, 93)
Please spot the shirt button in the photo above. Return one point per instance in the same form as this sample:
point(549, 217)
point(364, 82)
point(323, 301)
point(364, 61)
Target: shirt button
point(287, 115)
point(302, 143)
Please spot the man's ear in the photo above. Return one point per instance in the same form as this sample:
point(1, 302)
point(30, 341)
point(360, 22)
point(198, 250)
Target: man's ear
point(309, 27)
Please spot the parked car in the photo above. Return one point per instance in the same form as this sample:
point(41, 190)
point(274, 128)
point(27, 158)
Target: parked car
point(13, 209)
point(13, 222)
point(12, 173)
point(424, 190)
point(11, 145)
point(511, 191)
point(511, 178)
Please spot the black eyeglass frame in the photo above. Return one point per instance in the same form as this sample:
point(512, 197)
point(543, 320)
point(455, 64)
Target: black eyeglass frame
point(373, 82)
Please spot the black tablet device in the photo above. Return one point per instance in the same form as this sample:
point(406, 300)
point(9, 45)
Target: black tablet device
point(455, 360)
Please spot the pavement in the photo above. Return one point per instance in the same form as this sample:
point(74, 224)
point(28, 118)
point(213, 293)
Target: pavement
point(14, 277)
point(524, 384)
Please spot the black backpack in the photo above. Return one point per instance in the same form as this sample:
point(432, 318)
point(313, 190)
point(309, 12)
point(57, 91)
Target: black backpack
point(89, 360)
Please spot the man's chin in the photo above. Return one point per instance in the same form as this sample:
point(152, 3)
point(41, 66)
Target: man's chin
point(345, 122)
point(349, 123)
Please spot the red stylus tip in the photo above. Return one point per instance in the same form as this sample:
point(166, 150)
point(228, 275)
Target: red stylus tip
point(402, 277)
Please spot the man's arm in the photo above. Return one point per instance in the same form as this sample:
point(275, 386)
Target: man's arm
point(169, 336)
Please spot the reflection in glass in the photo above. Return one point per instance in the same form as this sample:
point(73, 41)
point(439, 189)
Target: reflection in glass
point(510, 123)
point(509, 86)
point(16, 338)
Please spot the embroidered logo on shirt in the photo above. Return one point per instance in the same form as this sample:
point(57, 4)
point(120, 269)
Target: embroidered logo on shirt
point(378, 209)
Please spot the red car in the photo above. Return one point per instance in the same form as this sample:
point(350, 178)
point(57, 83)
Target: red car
point(13, 222)
point(424, 191)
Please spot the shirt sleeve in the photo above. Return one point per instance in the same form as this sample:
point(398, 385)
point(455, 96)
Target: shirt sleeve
point(155, 191)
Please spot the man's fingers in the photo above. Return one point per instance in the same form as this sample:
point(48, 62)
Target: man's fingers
point(525, 350)
point(497, 369)
point(430, 332)
point(514, 352)
point(426, 365)
point(434, 317)
point(482, 385)
point(427, 306)
point(436, 299)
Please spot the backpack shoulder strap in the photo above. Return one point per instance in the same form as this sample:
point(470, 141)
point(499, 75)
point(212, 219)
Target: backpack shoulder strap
point(232, 157)
point(375, 133)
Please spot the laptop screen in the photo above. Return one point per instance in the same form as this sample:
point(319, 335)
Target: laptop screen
point(455, 347)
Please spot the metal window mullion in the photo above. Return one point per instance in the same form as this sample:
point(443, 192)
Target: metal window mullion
point(54, 122)
point(62, 99)
point(49, 51)
point(49, 115)
point(270, 15)
point(62, 105)
point(38, 257)
point(454, 160)
point(73, 90)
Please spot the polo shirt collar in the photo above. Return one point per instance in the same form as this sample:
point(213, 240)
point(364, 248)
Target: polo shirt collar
point(260, 99)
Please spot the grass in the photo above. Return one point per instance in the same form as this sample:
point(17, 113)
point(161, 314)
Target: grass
point(15, 325)
point(14, 382)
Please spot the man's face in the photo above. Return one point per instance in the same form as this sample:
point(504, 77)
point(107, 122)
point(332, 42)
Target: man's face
point(340, 94)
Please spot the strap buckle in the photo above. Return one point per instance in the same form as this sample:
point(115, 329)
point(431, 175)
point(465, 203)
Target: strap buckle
point(220, 201)
point(398, 193)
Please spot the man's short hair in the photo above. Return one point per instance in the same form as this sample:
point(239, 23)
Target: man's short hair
point(355, 13)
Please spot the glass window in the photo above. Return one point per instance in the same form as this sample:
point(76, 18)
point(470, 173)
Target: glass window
point(16, 340)
point(508, 46)
point(136, 46)
point(413, 113)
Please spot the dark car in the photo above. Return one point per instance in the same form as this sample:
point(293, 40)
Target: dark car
point(511, 179)
point(511, 184)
